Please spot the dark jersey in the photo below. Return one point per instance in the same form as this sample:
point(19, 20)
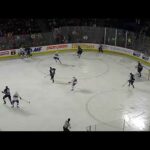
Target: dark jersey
point(140, 67)
point(132, 77)
point(6, 91)
point(100, 48)
point(79, 50)
point(52, 71)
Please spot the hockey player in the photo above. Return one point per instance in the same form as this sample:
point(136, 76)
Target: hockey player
point(79, 51)
point(7, 94)
point(22, 52)
point(56, 57)
point(16, 98)
point(67, 125)
point(73, 82)
point(100, 49)
point(131, 80)
point(52, 73)
point(139, 68)
point(28, 52)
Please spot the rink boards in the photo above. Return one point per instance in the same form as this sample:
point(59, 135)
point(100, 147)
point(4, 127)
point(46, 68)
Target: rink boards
point(44, 50)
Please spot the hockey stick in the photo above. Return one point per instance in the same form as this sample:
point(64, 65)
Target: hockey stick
point(25, 100)
point(46, 75)
point(59, 61)
point(124, 84)
point(61, 82)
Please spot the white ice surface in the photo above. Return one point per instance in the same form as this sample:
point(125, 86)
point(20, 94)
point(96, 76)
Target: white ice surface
point(99, 97)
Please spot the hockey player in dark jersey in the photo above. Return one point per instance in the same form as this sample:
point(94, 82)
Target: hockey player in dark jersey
point(67, 125)
point(139, 68)
point(28, 52)
point(79, 51)
point(7, 95)
point(56, 57)
point(100, 49)
point(131, 80)
point(16, 98)
point(52, 73)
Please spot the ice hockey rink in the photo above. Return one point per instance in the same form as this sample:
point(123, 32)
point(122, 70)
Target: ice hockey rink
point(101, 98)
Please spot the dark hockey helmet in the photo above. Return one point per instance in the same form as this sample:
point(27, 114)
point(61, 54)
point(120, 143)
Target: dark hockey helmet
point(68, 119)
point(6, 87)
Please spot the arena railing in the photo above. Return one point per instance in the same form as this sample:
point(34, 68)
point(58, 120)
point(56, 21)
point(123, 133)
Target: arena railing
point(75, 34)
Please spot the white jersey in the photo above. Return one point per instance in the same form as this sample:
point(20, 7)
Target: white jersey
point(56, 56)
point(22, 50)
point(16, 96)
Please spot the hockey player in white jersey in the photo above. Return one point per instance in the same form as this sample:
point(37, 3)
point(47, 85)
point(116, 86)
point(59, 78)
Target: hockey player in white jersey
point(22, 52)
point(16, 98)
point(73, 82)
point(56, 57)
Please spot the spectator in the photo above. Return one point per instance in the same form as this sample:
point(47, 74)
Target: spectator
point(85, 37)
point(1, 34)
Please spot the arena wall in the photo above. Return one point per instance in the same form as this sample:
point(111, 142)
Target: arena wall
point(108, 49)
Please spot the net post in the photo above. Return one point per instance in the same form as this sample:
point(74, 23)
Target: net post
point(148, 74)
point(115, 37)
point(95, 127)
point(89, 128)
point(126, 39)
point(105, 35)
point(124, 125)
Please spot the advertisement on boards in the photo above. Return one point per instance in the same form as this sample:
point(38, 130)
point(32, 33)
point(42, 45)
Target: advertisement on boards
point(57, 47)
point(4, 53)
